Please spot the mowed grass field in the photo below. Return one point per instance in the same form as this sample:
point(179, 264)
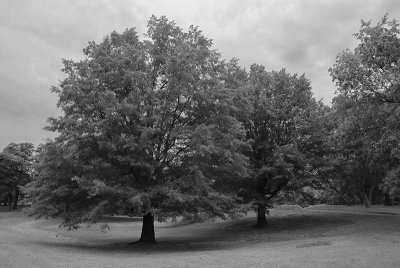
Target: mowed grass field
point(318, 236)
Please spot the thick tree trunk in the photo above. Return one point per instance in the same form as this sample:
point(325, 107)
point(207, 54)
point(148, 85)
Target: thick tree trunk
point(148, 235)
point(261, 218)
point(367, 201)
point(368, 197)
point(16, 196)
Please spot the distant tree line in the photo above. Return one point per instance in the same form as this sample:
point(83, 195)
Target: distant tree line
point(163, 127)
point(16, 170)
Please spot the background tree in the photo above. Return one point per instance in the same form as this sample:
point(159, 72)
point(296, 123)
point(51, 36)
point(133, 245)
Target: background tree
point(368, 81)
point(276, 110)
point(16, 170)
point(361, 158)
point(146, 131)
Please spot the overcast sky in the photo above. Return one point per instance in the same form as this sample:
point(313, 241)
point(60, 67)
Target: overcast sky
point(302, 36)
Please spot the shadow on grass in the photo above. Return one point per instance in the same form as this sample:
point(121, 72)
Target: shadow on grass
point(119, 219)
point(387, 213)
point(216, 236)
point(122, 247)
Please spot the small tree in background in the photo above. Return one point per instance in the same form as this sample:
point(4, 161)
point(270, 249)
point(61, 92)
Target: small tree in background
point(16, 170)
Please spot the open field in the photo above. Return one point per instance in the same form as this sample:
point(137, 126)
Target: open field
point(319, 236)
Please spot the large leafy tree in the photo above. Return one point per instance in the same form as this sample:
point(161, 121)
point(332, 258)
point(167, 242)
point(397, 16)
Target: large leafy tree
point(16, 170)
point(368, 78)
point(146, 131)
point(277, 111)
point(360, 156)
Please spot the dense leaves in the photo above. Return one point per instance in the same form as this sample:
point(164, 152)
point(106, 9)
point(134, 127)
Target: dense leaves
point(279, 115)
point(368, 111)
point(372, 69)
point(16, 170)
point(161, 127)
point(146, 130)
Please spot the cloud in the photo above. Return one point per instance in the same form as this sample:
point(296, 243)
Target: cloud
point(302, 36)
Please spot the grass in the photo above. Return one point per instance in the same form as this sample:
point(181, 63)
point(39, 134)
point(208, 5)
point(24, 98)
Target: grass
point(319, 236)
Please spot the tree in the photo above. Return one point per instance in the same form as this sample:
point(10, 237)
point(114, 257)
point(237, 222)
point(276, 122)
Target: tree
point(276, 110)
point(372, 69)
point(16, 170)
point(368, 78)
point(146, 131)
point(361, 158)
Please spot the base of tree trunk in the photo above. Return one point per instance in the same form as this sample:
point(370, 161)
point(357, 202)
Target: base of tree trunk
point(261, 217)
point(368, 196)
point(387, 201)
point(10, 202)
point(148, 234)
point(367, 200)
point(16, 197)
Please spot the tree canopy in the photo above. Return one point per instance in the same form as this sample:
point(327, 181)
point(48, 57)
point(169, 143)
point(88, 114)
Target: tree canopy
point(161, 126)
point(372, 69)
point(278, 113)
point(368, 109)
point(146, 131)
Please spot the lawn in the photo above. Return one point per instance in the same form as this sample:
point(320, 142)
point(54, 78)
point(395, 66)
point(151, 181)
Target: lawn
point(319, 236)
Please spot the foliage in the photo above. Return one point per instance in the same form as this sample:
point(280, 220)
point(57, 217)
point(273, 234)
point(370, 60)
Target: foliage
point(146, 129)
point(162, 126)
point(16, 162)
point(279, 115)
point(372, 69)
point(360, 157)
point(16, 169)
point(368, 107)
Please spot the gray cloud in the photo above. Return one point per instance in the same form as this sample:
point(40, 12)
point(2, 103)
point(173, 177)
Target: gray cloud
point(303, 36)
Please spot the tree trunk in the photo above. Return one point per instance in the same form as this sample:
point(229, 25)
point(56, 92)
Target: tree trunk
point(16, 196)
point(367, 202)
point(148, 235)
point(6, 199)
point(368, 197)
point(347, 200)
point(10, 201)
point(261, 218)
point(360, 197)
point(387, 201)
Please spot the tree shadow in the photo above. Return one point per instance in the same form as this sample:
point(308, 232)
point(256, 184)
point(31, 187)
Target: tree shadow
point(119, 219)
point(216, 236)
